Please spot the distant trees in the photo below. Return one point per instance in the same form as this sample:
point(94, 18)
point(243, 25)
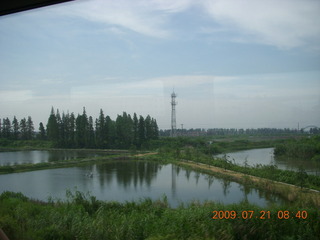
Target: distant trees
point(68, 131)
point(15, 130)
point(236, 131)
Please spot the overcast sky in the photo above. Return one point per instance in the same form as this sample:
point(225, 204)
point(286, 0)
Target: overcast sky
point(233, 64)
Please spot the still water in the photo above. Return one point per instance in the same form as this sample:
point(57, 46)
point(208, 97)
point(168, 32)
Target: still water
point(126, 181)
point(265, 156)
point(36, 156)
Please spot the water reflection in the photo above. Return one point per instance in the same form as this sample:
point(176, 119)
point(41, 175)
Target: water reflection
point(128, 174)
point(126, 181)
point(37, 156)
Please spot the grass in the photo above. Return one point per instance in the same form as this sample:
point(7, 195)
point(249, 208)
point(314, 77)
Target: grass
point(84, 217)
point(59, 164)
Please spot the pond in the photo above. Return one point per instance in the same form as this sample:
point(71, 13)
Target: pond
point(265, 156)
point(130, 180)
point(37, 156)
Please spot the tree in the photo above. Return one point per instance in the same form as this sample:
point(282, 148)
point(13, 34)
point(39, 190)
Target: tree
point(101, 131)
point(124, 132)
point(110, 132)
point(135, 130)
point(30, 128)
point(155, 129)
point(142, 131)
point(120, 132)
point(61, 133)
point(23, 129)
point(6, 128)
point(71, 129)
point(91, 138)
point(52, 127)
point(15, 126)
point(42, 132)
point(148, 128)
point(82, 130)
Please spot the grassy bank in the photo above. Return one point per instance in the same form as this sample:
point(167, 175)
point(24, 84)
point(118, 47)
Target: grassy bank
point(117, 155)
point(84, 217)
point(287, 184)
point(60, 164)
point(270, 172)
point(294, 194)
point(6, 144)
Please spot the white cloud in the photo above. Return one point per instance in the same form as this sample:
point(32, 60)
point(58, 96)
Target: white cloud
point(144, 17)
point(285, 23)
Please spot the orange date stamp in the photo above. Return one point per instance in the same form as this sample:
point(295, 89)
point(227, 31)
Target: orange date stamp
point(250, 214)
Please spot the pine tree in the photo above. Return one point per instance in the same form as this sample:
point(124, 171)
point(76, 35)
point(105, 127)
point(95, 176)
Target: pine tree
point(63, 129)
point(52, 127)
point(155, 129)
point(148, 127)
point(124, 126)
point(142, 131)
point(6, 128)
point(119, 132)
point(30, 128)
point(110, 132)
point(42, 132)
point(82, 130)
point(91, 135)
point(135, 130)
point(71, 130)
point(15, 126)
point(101, 131)
point(60, 137)
point(23, 129)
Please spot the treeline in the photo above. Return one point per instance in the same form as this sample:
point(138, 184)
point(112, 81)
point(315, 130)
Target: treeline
point(236, 131)
point(17, 130)
point(82, 131)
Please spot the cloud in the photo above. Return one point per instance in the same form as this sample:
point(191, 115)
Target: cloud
point(285, 23)
point(144, 17)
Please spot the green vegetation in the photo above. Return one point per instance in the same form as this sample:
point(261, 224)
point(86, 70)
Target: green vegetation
point(62, 164)
point(68, 131)
point(9, 144)
point(305, 148)
point(84, 217)
point(264, 171)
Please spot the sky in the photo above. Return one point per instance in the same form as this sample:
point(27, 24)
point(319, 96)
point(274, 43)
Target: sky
point(232, 64)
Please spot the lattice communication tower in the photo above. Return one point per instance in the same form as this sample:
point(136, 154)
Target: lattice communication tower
point(173, 115)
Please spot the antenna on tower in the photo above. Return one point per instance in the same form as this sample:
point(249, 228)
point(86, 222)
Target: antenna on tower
point(173, 114)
